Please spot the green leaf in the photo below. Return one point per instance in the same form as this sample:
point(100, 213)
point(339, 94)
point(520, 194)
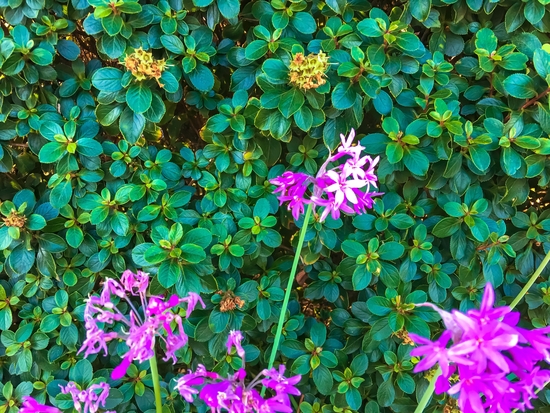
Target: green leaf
point(168, 274)
point(408, 41)
point(486, 39)
point(323, 379)
point(256, 49)
point(303, 23)
point(52, 152)
point(229, 8)
point(81, 373)
point(169, 82)
point(353, 249)
point(112, 24)
point(202, 78)
point(420, 9)
point(369, 28)
point(394, 152)
point(192, 253)
point(379, 306)
point(107, 79)
point(385, 393)
point(343, 95)
point(139, 97)
point(89, 147)
point(290, 102)
point(218, 123)
point(41, 57)
point(155, 255)
point(416, 161)
point(391, 251)
point(519, 86)
point(172, 44)
point(131, 125)
point(446, 227)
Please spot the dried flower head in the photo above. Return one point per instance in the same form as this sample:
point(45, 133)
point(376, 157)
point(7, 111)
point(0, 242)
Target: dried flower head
point(308, 72)
point(15, 219)
point(230, 302)
point(143, 65)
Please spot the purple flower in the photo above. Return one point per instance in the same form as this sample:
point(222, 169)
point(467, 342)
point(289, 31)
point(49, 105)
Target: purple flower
point(140, 329)
point(486, 346)
point(344, 188)
point(30, 405)
point(234, 340)
point(89, 400)
point(232, 394)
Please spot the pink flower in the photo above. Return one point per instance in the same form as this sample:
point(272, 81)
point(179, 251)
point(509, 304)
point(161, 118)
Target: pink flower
point(89, 400)
point(139, 332)
point(344, 188)
point(232, 394)
point(30, 405)
point(234, 340)
point(487, 346)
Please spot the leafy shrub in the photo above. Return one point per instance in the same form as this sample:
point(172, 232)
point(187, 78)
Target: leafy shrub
point(142, 135)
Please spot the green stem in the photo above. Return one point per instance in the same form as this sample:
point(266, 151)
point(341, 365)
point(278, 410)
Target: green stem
point(429, 391)
point(156, 383)
point(289, 290)
point(531, 281)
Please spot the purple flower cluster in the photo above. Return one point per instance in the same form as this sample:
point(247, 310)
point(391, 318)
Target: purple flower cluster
point(344, 188)
point(30, 405)
point(85, 401)
point(140, 330)
point(232, 394)
point(89, 400)
point(496, 361)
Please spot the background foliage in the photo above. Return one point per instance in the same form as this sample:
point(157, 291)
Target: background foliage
point(164, 168)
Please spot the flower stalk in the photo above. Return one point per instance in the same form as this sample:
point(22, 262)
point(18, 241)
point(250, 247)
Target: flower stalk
point(156, 383)
point(293, 270)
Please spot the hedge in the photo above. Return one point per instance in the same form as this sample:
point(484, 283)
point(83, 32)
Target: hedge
point(142, 135)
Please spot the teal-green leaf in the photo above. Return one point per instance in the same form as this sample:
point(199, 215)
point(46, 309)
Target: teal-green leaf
point(173, 44)
point(131, 125)
point(202, 78)
point(169, 82)
point(369, 28)
point(41, 57)
point(256, 49)
point(303, 22)
point(519, 86)
point(420, 9)
point(192, 253)
point(416, 161)
point(229, 8)
point(52, 152)
point(290, 102)
point(107, 79)
point(486, 39)
point(89, 147)
point(139, 97)
point(323, 379)
point(408, 41)
point(343, 95)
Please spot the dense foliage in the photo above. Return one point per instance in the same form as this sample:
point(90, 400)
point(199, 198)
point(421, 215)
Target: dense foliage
point(142, 134)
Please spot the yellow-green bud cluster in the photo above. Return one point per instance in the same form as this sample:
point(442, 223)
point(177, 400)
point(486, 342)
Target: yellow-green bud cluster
point(308, 72)
point(143, 65)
